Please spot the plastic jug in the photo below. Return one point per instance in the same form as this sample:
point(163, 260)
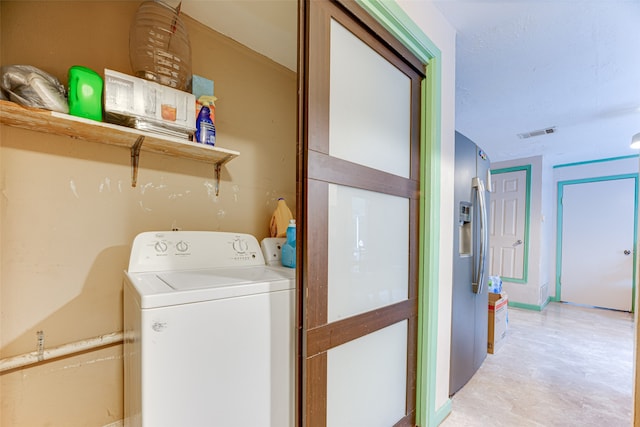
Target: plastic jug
point(85, 93)
point(280, 219)
point(159, 45)
point(289, 247)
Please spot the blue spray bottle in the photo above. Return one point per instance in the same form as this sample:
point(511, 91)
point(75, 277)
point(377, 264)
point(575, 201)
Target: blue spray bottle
point(205, 129)
point(289, 247)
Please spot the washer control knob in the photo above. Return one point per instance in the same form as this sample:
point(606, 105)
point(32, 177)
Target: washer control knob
point(240, 246)
point(161, 246)
point(182, 246)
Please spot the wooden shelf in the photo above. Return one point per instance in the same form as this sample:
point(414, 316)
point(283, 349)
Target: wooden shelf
point(56, 123)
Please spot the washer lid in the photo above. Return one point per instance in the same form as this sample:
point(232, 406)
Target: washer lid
point(170, 288)
point(219, 277)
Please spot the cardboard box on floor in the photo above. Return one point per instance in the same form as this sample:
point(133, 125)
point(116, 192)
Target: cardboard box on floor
point(497, 321)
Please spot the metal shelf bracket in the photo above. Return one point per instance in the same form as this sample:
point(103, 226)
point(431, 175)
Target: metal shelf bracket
point(135, 158)
point(218, 166)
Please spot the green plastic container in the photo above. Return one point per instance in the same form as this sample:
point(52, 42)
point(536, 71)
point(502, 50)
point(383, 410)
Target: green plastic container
point(85, 93)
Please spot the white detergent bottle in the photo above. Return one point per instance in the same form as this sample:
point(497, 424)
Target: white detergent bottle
point(289, 247)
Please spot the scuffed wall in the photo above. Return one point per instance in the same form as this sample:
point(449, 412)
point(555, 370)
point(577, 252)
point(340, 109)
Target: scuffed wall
point(68, 212)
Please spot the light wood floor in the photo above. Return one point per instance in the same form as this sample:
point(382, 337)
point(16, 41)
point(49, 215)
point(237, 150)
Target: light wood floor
point(565, 366)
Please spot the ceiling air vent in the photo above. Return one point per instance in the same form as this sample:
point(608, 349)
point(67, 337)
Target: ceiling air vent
point(539, 132)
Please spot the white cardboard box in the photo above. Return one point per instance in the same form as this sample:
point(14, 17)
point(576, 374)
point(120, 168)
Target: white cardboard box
point(498, 315)
point(127, 96)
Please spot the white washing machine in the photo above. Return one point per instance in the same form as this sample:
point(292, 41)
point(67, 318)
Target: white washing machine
point(272, 252)
point(209, 333)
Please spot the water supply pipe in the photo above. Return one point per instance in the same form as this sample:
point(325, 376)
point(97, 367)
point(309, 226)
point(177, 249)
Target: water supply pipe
point(76, 347)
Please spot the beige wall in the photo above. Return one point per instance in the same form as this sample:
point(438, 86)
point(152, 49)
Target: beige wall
point(68, 212)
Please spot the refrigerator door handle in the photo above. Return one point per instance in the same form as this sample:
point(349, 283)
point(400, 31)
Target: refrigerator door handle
point(478, 265)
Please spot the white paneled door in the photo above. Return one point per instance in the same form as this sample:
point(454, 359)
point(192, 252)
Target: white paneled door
point(598, 222)
point(507, 229)
point(359, 196)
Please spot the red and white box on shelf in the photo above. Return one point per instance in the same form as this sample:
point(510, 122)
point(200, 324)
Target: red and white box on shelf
point(145, 105)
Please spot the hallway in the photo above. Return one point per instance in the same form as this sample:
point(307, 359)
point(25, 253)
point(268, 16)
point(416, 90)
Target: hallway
point(565, 366)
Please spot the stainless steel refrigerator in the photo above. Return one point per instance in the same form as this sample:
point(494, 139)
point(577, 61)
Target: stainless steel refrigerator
point(470, 262)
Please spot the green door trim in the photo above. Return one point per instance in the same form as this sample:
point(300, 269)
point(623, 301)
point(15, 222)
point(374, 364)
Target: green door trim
point(390, 15)
point(588, 162)
point(561, 185)
point(527, 220)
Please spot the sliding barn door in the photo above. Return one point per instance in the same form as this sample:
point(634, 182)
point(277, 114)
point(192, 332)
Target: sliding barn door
point(359, 188)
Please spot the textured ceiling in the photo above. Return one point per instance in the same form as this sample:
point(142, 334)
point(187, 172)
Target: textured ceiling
point(521, 66)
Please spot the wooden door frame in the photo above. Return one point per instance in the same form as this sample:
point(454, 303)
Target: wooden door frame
point(395, 20)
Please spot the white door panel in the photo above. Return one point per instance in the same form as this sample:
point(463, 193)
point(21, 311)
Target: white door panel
point(597, 229)
point(508, 224)
point(361, 82)
point(366, 277)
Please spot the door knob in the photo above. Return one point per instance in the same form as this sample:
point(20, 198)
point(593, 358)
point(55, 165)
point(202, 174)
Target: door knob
point(627, 252)
point(518, 242)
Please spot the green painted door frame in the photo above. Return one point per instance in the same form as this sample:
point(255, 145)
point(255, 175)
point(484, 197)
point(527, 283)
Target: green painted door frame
point(398, 23)
point(527, 220)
